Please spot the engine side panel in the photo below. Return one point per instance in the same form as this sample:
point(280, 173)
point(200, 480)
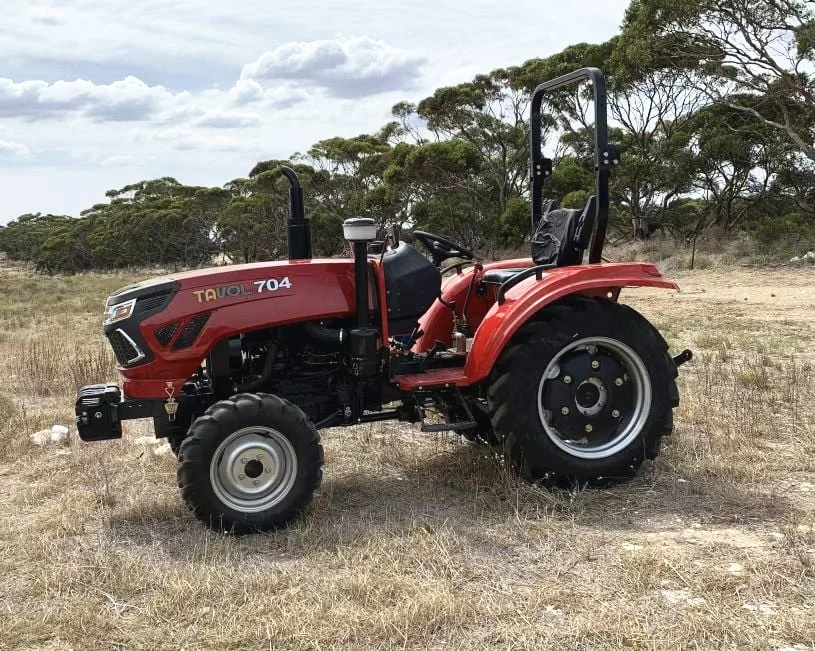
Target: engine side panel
point(235, 300)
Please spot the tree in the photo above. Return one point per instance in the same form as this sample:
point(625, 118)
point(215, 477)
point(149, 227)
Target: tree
point(490, 114)
point(757, 55)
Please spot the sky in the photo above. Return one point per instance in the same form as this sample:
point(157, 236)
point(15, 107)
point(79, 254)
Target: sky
point(97, 94)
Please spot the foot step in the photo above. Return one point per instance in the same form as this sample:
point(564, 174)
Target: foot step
point(450, 427)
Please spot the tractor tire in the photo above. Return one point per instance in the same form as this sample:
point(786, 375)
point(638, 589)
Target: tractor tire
point(175, 442)
point(250, 464)
point(483, 434)
point(583, 394)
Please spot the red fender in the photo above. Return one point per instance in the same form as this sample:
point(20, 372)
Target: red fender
point(530, 296)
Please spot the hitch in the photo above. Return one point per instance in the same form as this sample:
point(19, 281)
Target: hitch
point(685, 356)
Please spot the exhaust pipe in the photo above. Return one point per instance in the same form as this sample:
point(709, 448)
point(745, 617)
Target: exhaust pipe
point(299, 227)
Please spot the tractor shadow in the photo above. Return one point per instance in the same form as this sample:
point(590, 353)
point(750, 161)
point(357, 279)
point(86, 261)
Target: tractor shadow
point(462, 489)
point(469, 489)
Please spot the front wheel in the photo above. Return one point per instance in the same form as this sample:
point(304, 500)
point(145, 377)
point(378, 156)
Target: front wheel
point(585, 395)
point(250, 463)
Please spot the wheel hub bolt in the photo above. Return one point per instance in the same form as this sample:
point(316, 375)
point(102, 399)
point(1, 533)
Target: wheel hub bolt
point(256, 482)
point(567, 379)
point(565, 411)
point(619, 382)
point(595, 364)
point(243, 461)
point(589, 428)
point(615, 413)
point(241, 476)
point(268, 469)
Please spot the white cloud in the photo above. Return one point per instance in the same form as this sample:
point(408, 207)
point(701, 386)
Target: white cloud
point(221, 119)
point(279, 97)
point(354, 67)
point(7, 147)
point(246, 91)
point(121, 161)
point(50, 16)
point(129, 99)
point(185, 139)
point(132, 100)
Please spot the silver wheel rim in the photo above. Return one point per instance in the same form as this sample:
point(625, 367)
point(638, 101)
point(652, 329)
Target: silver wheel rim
point(253, 469)
point(630, 422)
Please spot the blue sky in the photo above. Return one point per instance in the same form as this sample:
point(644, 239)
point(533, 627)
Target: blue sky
point(98, 94)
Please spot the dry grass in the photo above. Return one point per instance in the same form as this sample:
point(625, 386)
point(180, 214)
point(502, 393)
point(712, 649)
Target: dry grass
point(423, 542)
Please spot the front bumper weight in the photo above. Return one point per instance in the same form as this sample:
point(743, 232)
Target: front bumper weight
point(100, 411)
point(97, 412)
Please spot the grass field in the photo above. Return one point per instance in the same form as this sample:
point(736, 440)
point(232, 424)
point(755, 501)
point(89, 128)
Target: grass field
point(419, 541)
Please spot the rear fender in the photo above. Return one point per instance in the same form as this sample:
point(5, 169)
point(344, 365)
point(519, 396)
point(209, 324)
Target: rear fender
point(530, 296)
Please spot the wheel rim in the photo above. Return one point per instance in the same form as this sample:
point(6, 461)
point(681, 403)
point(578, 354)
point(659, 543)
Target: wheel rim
point(253, 469)
point(594, 397)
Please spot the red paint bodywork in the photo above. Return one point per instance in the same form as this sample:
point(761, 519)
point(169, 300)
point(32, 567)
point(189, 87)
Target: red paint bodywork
point(324, 289)
point(495, 324)
point(320, 289)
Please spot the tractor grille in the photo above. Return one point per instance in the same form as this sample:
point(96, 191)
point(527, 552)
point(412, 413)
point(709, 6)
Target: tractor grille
point(124, 350)
point(191, 331)
point(155, 302)
point(165, 333)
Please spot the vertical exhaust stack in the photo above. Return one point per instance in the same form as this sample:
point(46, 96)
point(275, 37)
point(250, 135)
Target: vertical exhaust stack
point(299, 227)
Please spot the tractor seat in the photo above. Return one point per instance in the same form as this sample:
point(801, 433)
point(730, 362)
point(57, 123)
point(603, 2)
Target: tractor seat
point(561, 238)
point(563, 235)
point(499, 276)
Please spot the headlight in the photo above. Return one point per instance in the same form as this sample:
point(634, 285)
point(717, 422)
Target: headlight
point(119, 311)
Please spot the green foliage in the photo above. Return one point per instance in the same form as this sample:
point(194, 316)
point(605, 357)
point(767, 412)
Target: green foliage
point(758, 48)
point(805, 39)
point(576, 199)
point(792, 227)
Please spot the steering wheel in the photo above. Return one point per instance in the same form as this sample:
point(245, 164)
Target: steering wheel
point(441, 248)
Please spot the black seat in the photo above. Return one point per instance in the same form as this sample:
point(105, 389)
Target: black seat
point(561, 238)
point(499, 276)
point(563, 235)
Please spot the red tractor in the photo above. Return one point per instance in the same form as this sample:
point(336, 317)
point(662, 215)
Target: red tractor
point(241, 366)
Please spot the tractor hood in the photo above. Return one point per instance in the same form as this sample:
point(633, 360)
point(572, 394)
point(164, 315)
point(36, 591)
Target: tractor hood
point(240, 275)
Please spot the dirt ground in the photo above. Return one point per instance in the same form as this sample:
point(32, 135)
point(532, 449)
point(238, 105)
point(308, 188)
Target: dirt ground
point(422, 541)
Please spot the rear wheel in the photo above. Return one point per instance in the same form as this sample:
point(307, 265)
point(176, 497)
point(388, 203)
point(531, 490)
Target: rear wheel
point(482, 434)
point(250, 463)
point(585, 395)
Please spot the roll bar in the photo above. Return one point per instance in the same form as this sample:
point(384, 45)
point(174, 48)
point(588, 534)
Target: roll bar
point(606, 154)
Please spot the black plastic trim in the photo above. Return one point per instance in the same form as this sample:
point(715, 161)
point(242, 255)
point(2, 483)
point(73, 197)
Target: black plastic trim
point(528, 273)
point(151, 300)
point(191, 331)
